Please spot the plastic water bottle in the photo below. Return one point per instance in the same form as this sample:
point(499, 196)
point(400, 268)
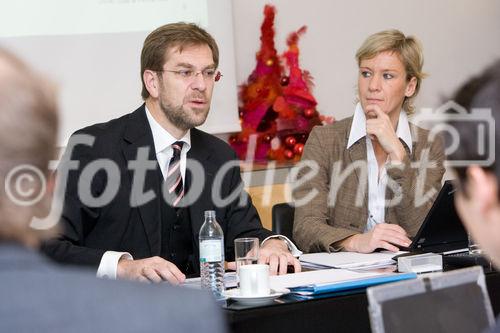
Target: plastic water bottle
point(212, 255)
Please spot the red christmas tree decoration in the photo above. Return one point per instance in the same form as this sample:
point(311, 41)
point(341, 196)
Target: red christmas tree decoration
point(277, 111)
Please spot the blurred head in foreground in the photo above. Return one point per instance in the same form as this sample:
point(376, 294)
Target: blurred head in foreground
point(28, 130)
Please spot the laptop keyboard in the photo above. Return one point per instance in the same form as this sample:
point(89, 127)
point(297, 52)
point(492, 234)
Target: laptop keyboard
point(465, 259)
point(460, 254)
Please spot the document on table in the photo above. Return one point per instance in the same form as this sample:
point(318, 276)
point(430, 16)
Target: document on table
point(351, 260)
point(333, 280)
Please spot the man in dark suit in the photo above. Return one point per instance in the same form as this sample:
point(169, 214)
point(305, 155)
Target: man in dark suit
point(37, 295)
point(134, 205)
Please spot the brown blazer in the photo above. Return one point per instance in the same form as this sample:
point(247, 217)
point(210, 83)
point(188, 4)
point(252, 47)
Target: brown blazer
point(342, 179)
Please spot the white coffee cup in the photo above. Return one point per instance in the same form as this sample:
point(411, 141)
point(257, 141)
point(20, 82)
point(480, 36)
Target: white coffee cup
point(254, 280)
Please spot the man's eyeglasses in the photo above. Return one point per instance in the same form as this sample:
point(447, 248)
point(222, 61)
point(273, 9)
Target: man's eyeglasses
point(189, 74)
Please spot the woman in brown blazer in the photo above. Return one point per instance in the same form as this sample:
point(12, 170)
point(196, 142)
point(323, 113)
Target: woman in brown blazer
point(368, 181)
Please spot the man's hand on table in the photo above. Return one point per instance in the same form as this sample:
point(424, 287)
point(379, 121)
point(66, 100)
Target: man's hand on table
point(275, 253)
point(154, 269)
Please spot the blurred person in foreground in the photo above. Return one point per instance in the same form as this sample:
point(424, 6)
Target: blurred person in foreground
point(478, 198)
point(376, 173)
point(36, 294)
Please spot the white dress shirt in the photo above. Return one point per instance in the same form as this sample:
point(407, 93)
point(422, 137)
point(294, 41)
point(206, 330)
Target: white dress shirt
point(163, 141)
point(377, 179)
point(163, 146)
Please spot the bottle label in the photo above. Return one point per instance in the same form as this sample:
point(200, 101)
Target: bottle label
point(210, 250)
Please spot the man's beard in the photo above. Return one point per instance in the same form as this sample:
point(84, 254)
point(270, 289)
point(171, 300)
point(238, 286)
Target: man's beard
point(181, 118)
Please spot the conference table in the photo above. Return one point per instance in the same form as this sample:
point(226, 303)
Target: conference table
point(337, 312)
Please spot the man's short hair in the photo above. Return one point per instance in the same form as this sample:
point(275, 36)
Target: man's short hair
point(28, 132)
point(168, 36)
point(482, 91)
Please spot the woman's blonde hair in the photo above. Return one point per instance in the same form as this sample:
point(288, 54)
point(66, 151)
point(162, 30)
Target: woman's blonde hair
point(409, 50)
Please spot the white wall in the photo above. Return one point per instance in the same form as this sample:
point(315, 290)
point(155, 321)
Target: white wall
point(91, 49)
point(460, 37)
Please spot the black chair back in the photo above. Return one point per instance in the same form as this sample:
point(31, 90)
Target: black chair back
point(282, 223)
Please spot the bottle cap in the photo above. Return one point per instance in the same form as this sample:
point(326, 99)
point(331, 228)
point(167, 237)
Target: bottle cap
point(210, 213)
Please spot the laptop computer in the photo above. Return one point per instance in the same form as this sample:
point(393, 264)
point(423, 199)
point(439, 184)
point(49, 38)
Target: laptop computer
point(442, 230)
point(456, 301)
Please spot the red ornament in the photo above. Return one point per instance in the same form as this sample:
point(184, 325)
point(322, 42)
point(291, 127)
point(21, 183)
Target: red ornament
point(290, 141)
point(298, 149)
point(288, 154)
point(309, 113)
point(284, 81)
point(233, 139)
point(267, 138)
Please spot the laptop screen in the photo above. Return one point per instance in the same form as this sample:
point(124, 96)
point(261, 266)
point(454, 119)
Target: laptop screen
point(442, 229)
point(455, 301)
point(448, 311)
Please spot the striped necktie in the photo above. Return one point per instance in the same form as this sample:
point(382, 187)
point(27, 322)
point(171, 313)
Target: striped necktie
point(173, 181)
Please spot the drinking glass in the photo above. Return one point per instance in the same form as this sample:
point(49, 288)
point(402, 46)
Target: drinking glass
point(246, 251)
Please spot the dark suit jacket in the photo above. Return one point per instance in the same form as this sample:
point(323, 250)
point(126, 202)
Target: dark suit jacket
point(323, 221)
point(118, 225)
point(38, 296)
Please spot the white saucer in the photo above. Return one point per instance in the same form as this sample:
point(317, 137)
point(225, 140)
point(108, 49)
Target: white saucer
point(235, 294)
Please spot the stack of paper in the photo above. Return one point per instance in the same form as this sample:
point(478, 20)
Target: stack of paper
point(350, 260)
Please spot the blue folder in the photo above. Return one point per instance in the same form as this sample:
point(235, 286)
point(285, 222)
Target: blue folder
point(322, 288)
